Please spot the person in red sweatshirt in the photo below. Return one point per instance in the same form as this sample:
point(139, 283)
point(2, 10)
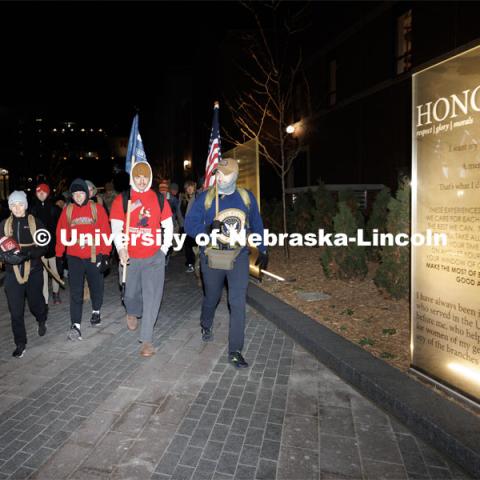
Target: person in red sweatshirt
point(82, 216)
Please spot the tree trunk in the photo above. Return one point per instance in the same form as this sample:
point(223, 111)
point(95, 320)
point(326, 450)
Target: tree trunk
point(284, 208)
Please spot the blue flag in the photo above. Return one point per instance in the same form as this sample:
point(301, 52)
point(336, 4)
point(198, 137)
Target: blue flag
point(135, 150)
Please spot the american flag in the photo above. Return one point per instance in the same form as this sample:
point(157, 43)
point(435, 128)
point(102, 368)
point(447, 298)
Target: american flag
point(214, 152)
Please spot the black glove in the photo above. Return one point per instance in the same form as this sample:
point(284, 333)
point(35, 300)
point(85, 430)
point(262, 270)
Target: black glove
point(103, 263)
point(262, 260)
point(216, 225)
point(13, 258)
point(59, 264)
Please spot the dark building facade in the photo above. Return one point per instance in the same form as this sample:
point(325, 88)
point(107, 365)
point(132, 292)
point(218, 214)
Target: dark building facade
point(359, 128)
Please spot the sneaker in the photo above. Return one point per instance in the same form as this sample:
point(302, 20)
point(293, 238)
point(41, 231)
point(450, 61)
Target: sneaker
point(237, 360)
point(74, 334)
point(207, 334)
point(147, 349)
point(42, 329)
point(19, 351)
point(190, 269)
point(95, 320)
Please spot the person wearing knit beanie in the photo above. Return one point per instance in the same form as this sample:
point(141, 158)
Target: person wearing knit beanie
point(23, 270)
point(17, 196)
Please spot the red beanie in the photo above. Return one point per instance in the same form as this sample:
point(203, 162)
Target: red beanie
point(43, 187)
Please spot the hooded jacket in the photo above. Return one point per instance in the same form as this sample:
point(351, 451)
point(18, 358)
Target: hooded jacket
point(145, 218)
point(82, 222)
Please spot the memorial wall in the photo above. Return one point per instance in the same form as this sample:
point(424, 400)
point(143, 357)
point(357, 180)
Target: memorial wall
point(445, 302)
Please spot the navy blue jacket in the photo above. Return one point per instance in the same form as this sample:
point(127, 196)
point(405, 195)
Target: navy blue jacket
point(198, 218)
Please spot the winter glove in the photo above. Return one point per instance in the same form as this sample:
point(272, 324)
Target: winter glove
point(103, 263)
point(59, 265)
point(13, 258)
point(262, 260)
point(216, 225)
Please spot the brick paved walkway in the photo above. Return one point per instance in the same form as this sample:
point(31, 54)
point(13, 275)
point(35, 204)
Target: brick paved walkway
point(96, 410)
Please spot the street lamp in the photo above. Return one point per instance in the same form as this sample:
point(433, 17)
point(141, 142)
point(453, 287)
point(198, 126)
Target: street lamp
point(290, 129)
point(186, 164)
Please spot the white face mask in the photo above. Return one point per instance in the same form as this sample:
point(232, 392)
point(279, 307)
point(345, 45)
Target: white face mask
point(226, 183)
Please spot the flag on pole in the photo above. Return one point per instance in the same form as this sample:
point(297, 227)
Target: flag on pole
point(135, 150)
point(214, 152)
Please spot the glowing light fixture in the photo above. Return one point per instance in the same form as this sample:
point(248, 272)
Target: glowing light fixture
point(290, 129)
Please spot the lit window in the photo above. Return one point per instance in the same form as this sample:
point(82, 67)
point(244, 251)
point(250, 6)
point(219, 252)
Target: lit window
point(404, 42)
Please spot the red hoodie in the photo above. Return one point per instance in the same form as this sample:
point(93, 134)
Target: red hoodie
point(82, 222)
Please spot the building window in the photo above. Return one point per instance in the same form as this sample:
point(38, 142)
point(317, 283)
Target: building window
point(404, 42)
point(332, 82)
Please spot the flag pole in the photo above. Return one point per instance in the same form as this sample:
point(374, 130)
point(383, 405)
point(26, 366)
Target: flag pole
point(127, 228)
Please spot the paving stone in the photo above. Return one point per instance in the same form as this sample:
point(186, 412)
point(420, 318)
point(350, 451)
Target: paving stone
point(245, 472)
point(298, 463)
point(178, 444)
point(336, 421)
point(254, 436)
point(378, 443)
point(191, 456)
point(220, 432)
point(249, 455)
point(300, 432)
point(108, 452)
point(39, 458)
point(339, 457)
point(168, 463)
point(387, 471)
point(200, 437)
point(227, 463)
point(233, 443)
point(212, 450)
point(266, 470)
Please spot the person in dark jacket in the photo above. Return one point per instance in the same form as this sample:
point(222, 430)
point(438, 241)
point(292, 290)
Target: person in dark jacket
point(24, 269)
point(44, 209)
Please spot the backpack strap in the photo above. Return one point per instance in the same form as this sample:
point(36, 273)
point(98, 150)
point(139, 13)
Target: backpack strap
point(93, 208)
point(8, 227)
point(245, 197)
point(161, 200)
point(69, 214)
point(209, 198)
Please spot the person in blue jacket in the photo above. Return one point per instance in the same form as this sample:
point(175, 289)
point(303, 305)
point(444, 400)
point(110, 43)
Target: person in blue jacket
point(202, 218)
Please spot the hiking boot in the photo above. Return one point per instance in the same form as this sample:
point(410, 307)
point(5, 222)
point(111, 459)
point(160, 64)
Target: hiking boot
point(147, 350)
point(74, 334)
point(190, 268)
point(237, 360)
point(207, 334)
point(42, 329)
point(132, 322)
point(19, 351)
point(95, 320)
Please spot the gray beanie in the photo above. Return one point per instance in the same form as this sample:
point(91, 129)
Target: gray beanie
point(17, 196)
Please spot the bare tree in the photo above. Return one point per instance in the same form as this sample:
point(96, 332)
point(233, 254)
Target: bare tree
point(272, 78)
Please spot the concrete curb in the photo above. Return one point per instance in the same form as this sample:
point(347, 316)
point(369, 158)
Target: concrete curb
point(443, 424)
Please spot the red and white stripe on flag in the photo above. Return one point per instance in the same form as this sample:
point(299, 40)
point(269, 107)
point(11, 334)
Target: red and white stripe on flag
point(212, 162)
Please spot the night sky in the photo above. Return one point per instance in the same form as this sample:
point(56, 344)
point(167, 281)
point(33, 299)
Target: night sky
point(95, 62)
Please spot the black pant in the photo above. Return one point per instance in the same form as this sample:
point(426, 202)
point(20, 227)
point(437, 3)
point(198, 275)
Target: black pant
point(33, 289)
point(189, 253)
point(77, 269)
point(213, 281)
